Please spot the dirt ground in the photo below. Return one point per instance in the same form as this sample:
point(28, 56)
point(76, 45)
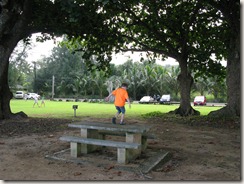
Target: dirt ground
point(199, 152)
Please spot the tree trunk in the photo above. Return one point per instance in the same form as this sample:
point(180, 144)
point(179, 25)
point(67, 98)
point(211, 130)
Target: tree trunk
point(233, 81)
point(233, 78)
point(12, 30)
point(185, 81)
point(5, 93)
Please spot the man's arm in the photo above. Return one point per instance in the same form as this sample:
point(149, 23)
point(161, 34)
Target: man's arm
point(107, 98)
point(128, 100)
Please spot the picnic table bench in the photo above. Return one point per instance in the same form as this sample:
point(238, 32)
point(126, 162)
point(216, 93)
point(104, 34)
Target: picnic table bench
point(92, 137)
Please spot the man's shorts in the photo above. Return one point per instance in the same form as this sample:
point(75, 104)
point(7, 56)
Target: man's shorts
point(120, 109)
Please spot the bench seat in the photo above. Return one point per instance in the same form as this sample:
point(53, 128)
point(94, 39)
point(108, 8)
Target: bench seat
point(100, 142)
point(146, 135)
point(125, 151)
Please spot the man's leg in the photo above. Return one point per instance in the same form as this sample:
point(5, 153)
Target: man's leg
point(122, 115)
point(122, 118)
point(116, 115)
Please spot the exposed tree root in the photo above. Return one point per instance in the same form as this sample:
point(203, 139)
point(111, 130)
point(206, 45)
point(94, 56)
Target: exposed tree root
point(189, 112)
point(18, 115)
point(224, 112)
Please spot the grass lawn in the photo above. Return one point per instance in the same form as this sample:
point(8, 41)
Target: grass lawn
point(54, 109)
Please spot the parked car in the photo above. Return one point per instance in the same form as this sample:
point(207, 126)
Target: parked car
point(200, 100)
point(32, 96)
point(146, 100)
point(165, 99)
point(19, 94)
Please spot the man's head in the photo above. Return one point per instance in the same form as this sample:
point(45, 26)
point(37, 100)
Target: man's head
point(124, 85)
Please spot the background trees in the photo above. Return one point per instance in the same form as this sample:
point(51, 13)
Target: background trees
point(74, 80)
point(20, 71)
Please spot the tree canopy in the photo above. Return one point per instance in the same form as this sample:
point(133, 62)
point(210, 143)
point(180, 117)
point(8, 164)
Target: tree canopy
point(188, 31)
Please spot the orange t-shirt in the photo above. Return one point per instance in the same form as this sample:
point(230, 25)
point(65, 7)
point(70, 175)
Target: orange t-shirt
point(120, 97)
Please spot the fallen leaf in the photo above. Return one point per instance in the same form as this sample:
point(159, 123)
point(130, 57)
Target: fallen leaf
point(119, 173)
point(110, 167)
point(77, 173)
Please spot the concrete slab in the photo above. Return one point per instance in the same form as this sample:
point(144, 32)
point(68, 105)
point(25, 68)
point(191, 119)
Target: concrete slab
point(150, 160)
point(155, 161)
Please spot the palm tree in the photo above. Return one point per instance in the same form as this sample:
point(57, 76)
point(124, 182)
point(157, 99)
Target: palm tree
point(99, 78)
point(171, 80)
point(149, 80)
point(161, 87)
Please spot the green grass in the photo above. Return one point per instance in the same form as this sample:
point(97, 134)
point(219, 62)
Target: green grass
point(54, 109)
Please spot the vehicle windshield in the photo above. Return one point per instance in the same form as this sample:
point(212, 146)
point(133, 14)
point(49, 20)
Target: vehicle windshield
point(146, 98)
point(199, 98)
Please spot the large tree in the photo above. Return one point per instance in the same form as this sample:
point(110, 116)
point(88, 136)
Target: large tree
point(231, 15)
point(188, 31)
point(20, 19)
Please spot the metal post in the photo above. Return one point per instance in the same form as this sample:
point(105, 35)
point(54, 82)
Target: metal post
point(53, 87)
point(34, 76)
point(75, 107)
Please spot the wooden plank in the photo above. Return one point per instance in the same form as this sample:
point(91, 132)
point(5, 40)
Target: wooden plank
point(100, 142)
point(112, 127)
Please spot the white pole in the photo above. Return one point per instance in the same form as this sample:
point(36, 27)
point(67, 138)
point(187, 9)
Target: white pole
point(53, 87)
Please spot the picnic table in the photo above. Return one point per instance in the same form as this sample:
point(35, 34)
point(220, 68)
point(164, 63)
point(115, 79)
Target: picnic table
point(92, 137)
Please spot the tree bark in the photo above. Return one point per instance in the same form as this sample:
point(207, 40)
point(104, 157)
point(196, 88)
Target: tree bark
point(12, 30)
point(5, 93)
point(185, 81)
point(231, 11)
point(233, 81)
point(233, 78)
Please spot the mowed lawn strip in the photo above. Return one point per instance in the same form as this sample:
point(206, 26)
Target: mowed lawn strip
point(59, 109)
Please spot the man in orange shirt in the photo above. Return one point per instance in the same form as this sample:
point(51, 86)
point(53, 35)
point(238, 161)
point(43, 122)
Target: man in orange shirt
point(121, 96)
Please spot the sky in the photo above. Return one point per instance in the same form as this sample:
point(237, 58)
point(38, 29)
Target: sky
point(40, 50)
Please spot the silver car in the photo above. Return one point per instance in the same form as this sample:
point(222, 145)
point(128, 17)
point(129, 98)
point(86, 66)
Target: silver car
point(32, 96)
point(19, 94)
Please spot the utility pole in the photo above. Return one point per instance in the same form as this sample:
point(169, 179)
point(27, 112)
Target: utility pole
point(53, 87)
point(35, 90)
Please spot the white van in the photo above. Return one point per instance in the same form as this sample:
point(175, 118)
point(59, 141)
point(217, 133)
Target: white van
point(32, 96)
point(19, 94)
point(165, 99)
point(146, 100)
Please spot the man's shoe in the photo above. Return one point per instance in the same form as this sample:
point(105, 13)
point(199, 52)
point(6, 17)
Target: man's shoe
point(122, 123)
point(114, 120)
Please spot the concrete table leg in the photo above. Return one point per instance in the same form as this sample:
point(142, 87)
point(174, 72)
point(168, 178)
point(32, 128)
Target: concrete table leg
point(121, 156)
point(133, 138)
point(144, 143)
point(89, 133)
point(125, 155)
point(75, 149)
